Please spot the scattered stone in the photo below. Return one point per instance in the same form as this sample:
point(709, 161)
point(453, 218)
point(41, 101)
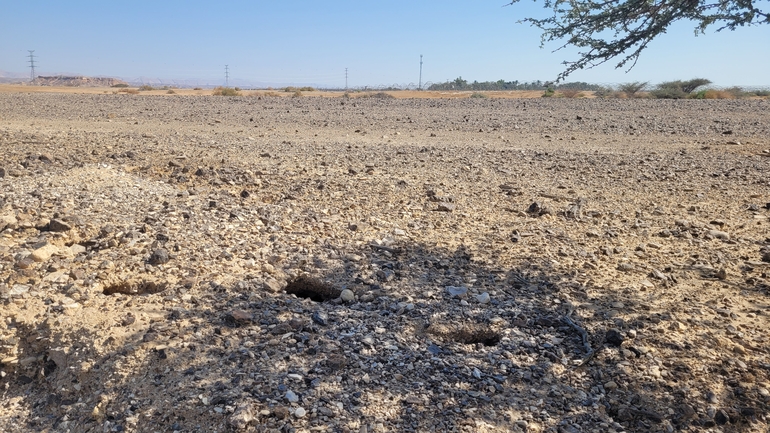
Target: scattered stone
point(44, 253)
point(483, 298)
point(446, 207)
point(57, 225)
point(347, 295)
point(159, 257)
point(719, 235)
point(292, 397)
point(300, 412)
point(456, 292)
point(614, 338)
point(320, 318)
point(243, 416)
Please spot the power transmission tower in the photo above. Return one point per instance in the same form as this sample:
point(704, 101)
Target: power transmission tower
point(346, 78)
point(227, 76)
point(31, 62)
point(420, 85)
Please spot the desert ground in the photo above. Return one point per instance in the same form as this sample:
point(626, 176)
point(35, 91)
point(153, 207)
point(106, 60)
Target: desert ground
point(179, 263)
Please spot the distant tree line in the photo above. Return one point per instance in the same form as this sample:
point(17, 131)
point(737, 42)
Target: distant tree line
point(460, 84)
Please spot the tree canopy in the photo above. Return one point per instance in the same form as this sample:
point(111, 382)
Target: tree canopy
point(606, 29)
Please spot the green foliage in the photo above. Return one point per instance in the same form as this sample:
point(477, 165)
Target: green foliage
point(225, 91)
point(291, 89)
point(120, 85)
point(477, 95)
point(762, 92)
point(631, 89)
point(549, 92)
point(605, 30)
point(488, 86)
point(679, 89)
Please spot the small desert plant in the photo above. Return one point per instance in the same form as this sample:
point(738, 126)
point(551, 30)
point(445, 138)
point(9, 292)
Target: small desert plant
point(631, 89)
point(120, 85)
point(129, 91)
point(225, 91)
point(171, 92)
point(379, 95)
point(762, 93)
point(197, 88)
point(346, 95)
point(571, 93)
point(238, 89)
point(548, 92)
point(479, 95)
point(603, 92)
point(307, 89)
point(145, 87)
point(297, 94)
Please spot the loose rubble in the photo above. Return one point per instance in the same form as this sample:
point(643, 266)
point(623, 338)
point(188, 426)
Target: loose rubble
point(363, 265)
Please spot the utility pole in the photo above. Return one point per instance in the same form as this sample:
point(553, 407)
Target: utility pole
point(420, 85)
point(346, 78)
point(227, 76)
point(31, 62)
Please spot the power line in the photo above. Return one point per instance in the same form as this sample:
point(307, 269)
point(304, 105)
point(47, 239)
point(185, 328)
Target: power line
point(227, 76)
point(31, 62)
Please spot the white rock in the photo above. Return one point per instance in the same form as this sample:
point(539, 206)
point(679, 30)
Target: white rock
point(483, 298)
point(300, 412)
point(347, 295)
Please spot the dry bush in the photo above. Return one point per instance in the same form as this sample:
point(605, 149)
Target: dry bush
point(225, 91)
point(479, 95)
point(378, 95)
point(717, 94)
point(146, 87)
point(171, 92)
point(297, 94)
point(571, 93)
point(631, 89)
point(129, 91)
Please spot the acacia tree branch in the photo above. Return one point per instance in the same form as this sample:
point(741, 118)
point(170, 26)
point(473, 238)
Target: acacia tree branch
point(622, 29)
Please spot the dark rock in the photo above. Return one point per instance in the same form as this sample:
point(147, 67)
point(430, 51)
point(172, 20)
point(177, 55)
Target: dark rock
point(2, 172)
point(57, 225)
point(159, 257)
point(721, 417)
point(320, 318)
point(614, 338)
point(445, 207)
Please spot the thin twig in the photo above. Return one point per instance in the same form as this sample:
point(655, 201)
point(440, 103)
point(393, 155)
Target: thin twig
point(583, 336)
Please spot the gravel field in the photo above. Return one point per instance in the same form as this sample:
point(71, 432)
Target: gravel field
point(199, 263)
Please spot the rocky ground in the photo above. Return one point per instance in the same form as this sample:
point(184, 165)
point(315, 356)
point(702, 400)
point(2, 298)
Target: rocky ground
point(368, 264)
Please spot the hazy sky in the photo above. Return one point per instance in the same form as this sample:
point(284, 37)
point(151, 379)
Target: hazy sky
point(312, 42)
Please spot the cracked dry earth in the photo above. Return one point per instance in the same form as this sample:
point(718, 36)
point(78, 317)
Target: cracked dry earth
point(361, 265)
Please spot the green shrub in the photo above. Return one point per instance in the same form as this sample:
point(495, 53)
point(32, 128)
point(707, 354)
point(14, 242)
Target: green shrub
point(762, 92)
point(479, 95)
point(297, 94)
point(307, 89)
point(225, 91)
point(120, 85)
point(145, 87)
point(548, 93)
point(170, 92)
